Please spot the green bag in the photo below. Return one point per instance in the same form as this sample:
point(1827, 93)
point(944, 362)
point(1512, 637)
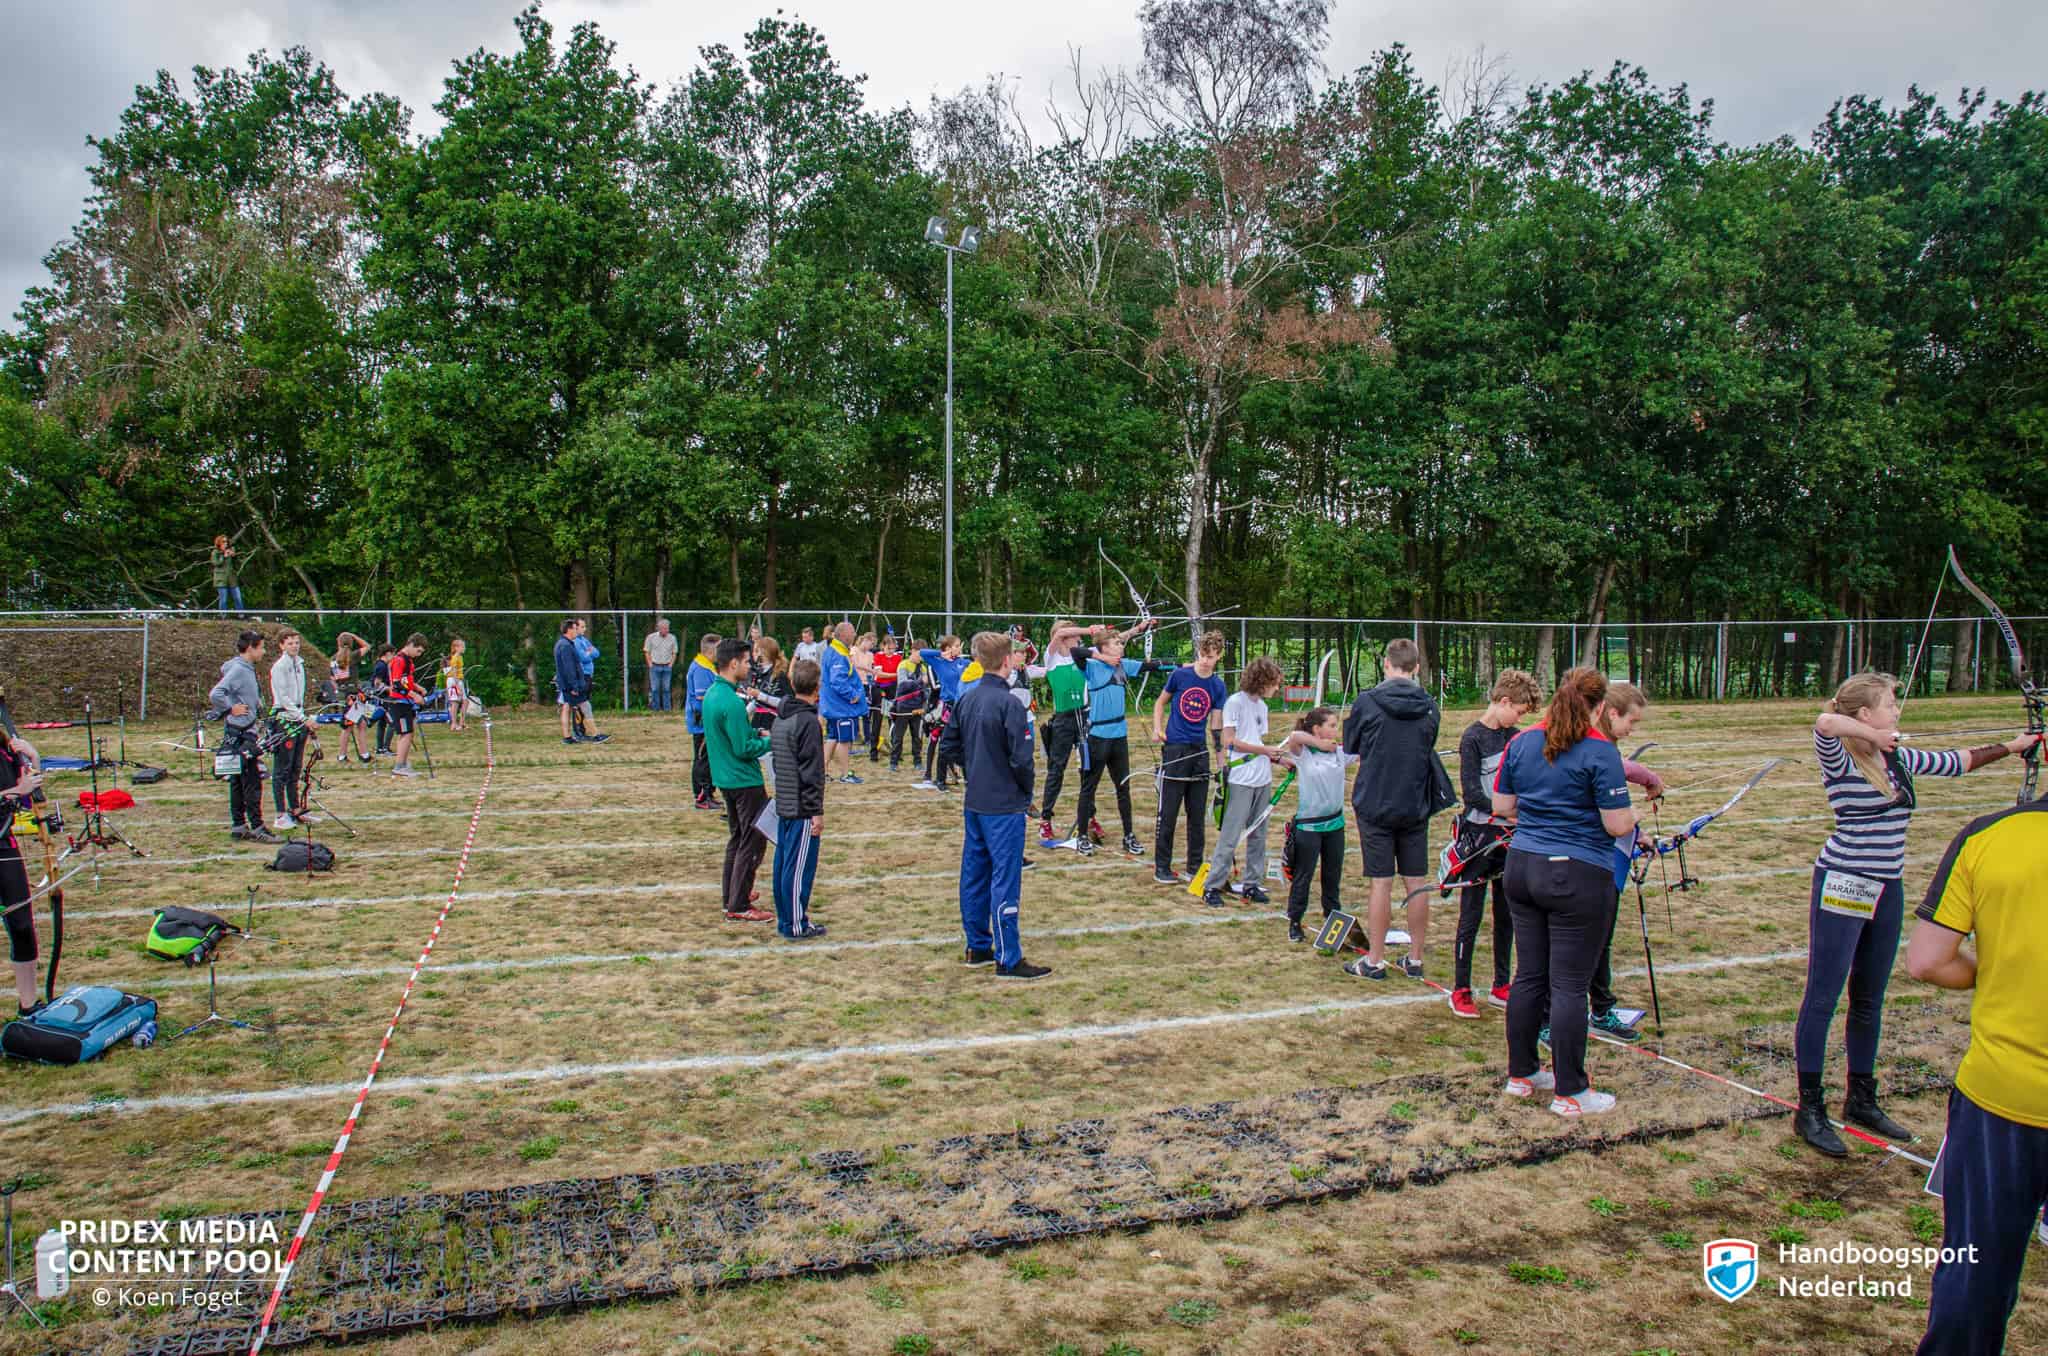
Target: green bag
point(186, 935)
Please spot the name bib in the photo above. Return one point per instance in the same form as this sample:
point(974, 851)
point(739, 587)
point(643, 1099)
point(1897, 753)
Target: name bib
point(1850, 896)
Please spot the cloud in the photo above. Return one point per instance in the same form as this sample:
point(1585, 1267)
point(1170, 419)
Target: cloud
point(1770, 68)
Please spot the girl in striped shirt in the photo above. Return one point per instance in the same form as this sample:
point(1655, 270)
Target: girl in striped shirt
point(1858, 898)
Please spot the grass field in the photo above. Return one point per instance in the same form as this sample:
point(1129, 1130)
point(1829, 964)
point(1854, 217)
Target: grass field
point(589, 1012)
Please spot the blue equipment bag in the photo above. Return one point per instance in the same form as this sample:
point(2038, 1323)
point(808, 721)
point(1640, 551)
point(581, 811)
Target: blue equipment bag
point(79, 1026)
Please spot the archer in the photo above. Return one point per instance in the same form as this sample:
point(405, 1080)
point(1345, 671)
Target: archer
point(21, 768)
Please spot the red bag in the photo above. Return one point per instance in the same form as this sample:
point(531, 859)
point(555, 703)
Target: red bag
point(114, 799)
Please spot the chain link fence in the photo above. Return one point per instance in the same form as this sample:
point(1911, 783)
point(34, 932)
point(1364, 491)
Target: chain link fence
point(163, 662)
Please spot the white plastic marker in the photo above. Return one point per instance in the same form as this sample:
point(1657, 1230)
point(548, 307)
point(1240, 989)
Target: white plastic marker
point(348, 1127)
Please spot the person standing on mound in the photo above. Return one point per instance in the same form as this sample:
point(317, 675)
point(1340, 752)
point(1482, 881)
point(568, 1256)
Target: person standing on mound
point(1561, 784)
point(989, 738)
point(1858, 902)
point(735, 747)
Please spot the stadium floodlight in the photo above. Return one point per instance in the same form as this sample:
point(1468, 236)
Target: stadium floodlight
point(935, 230)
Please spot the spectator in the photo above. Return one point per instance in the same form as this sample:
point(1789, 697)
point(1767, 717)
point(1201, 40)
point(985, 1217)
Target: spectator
point(735, 747)
point(703, 673)
point(798, 749)
point(660, 649)
point(227, 578)
point(990, 740)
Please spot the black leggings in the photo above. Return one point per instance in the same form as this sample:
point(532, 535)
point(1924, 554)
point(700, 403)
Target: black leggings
point(1183, 789)
point(1114, 757)
point(935, 766)
point(1062, 733)
point(700, 768)
point(245, 794)
point(21, 923)
point(1561, 908)
point(290, 760)
point(1471, 913)
point(913, 724)
point(1314, 847)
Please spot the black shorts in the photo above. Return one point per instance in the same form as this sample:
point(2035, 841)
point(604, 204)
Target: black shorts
point(405, 717)
point(1398, 851)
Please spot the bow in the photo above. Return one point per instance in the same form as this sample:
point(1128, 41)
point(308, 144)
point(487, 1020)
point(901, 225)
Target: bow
point(2031, 693)
point(1144, 611)
point(1676, 842)
point(56, 888)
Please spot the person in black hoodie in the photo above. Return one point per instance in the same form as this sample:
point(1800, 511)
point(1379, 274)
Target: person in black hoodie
point(796, 747)
point(1392, 729)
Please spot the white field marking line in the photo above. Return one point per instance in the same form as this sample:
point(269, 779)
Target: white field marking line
point(1983, 807)
point(348, 1126)
point(767, 949)
point(569, 891)
point(937, 1045)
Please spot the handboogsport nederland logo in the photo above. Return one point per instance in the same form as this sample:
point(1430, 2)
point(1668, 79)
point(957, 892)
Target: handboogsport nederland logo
point(1731, 1267)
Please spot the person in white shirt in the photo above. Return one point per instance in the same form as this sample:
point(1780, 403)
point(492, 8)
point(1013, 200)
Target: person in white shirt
point(808, 646)
point(1250, 765)
point(287, 706)
point(660, 647)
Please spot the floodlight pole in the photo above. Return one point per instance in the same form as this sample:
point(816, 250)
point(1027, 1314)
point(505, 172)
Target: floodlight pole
point(949, 436)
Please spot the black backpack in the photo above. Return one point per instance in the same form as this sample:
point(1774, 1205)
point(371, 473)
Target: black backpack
point(147, 776)
point(303, 855)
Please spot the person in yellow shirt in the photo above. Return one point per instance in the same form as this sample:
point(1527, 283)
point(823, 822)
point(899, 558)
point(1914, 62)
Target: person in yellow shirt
point(1993, 882)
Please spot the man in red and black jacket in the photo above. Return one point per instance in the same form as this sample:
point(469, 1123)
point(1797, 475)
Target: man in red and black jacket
point(403, 699)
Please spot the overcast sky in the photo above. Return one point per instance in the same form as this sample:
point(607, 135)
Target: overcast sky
point(1770, 66)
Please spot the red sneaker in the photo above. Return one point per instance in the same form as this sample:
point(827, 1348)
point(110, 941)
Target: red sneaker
point(1499, 996)
point(1095, 831)
point(749, 916)
point(1461, 1003)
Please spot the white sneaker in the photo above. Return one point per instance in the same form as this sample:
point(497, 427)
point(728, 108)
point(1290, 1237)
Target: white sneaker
point(1587, 1103)
point(403, 770)
point(2041, 1231)
point(1541, 1081)
point(284, 822)
point(924, 784)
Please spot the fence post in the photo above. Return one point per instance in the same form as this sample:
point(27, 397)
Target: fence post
point(387, 626)
point(1572, 661)
point(1849, 659)
point(625, 684)
point(1243, 641)
point(1721, 662)
point(142, 700)
point(1976, 651)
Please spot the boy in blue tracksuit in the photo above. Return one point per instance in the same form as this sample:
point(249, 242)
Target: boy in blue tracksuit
point(945, 665)
point(990, 738)
point(843, 701)
point(702, 674)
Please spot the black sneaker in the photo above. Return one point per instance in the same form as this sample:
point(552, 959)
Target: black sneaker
point(570, 740)
point(32, 1009)
point(1213, 898)
point(1256, 894)
point(1363, 968)
point(1132, 847)
point(1023, 969)
point(1083, 846)
point(975, 956)
point(1411, 967)
point(807, 931)
point(1295, 934)
point(600, 738)
point(1026, 865)
point(1166, 878)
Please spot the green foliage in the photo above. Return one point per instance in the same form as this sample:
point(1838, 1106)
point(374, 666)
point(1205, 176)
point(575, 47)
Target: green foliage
point(588, 345)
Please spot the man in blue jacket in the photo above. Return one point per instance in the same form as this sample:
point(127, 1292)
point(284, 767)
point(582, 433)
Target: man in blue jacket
point(696, 682)
point(843, 701)
point(990, 739)
point(570, 693)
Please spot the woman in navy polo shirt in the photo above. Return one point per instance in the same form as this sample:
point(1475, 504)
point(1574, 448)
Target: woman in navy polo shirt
point(1561, 783)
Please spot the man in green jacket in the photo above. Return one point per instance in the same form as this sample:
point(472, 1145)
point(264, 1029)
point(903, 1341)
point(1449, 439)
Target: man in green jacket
point(735, 748)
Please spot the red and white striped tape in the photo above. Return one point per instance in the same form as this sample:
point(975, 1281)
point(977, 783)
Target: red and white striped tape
point(355, 1111)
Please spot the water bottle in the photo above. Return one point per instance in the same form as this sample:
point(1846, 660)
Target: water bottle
point(144, 1037)
point(53, 1272)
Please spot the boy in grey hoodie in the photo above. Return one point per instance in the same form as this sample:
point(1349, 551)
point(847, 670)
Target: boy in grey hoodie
point(238, 697)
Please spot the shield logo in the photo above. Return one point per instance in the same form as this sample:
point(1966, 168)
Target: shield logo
point(1730, 1266)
